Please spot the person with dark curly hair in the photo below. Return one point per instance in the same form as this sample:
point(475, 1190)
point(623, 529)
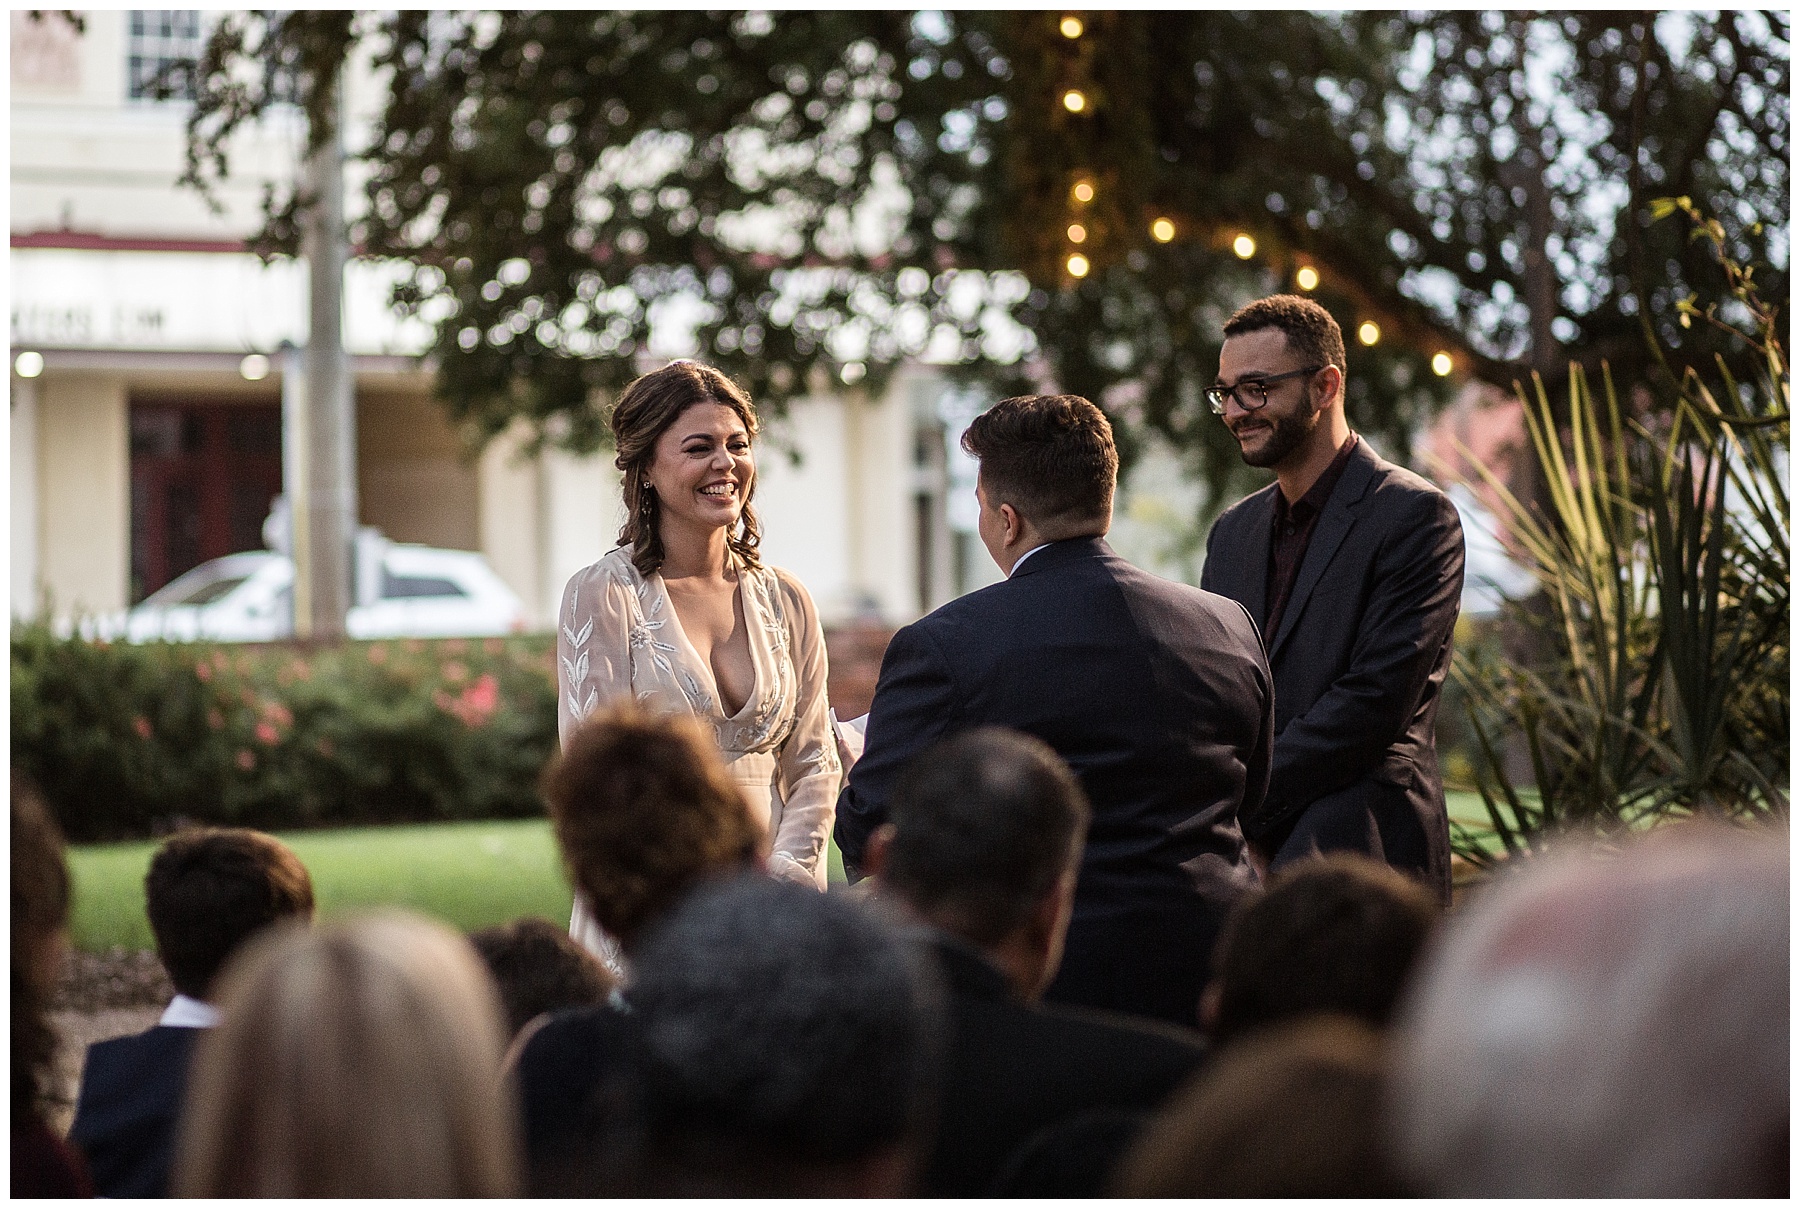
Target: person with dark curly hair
point(644, 812)
point(683, 617)
point(43, 1165)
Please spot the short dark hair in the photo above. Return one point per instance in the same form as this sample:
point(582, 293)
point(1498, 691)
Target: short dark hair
point(1312, 334)
point(1339, 933)
point(777, 1032)
point(984, 824)
point(1050, 456)
point(209, 889)
point(643, 809)
point(539, 968)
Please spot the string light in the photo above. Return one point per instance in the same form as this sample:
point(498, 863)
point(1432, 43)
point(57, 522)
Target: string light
point(1307, 278)
point(1369, 333)
point(1071, 27)
point(1078, 265)
point(1074, 101)
point(1244, 246)
point(1162, 230)
point(1077, 233)
point(1442, 364)
point(1083, 192)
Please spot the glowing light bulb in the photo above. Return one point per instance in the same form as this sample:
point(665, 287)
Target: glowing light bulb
point(1162, 230)
point(254, 368)
point(1369, 333)
point(1071, 27)
point(1083, 192)
point(1244, 246)
point(1441, 365)
point(1077, 233)
point(1307, 278)
point(29, 364)
point(1078, 265)
point(1074, 101)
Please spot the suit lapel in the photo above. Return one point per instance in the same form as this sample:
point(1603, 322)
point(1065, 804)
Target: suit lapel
point(1335, 523)
point(1247, 578)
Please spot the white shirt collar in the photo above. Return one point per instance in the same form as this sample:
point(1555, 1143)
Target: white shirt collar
point(186, 1012)
point(1023, 557)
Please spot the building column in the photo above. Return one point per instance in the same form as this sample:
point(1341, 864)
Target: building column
point(24, 531)
point(84, 468)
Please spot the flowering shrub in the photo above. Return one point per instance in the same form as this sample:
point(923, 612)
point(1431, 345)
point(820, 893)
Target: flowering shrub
point(127, 741)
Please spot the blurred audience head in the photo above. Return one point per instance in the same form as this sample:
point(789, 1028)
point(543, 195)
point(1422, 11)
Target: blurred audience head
point(984, 840)
point(212, 888)
point(1339, 933)
point(358, 1059)
point(785, 1047)
point(643, 810)
point(539, 968)
point(1606, 1026)
point(1293, 1111)
point(40, 911)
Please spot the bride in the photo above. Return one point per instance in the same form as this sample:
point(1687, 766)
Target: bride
point(683, 616)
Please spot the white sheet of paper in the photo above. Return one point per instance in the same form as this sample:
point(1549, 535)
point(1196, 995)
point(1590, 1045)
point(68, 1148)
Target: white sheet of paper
point(850, 735)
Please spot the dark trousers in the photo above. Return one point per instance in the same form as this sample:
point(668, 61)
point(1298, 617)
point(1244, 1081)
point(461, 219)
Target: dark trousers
point(1378, 820)
point(1142, 960)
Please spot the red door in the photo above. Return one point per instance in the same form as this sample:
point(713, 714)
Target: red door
point(202, 480)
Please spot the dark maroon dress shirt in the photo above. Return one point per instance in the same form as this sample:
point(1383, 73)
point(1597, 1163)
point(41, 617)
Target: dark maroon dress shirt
point(1294, 525)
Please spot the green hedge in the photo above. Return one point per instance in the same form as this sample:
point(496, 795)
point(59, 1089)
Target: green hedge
point(128, 741)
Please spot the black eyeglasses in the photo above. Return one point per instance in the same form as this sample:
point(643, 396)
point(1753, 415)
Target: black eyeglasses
point(1250, 395)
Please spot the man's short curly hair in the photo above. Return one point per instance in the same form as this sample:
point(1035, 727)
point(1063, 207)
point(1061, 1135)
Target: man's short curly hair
point(1312, 334)
point(644, 809)
point(1051, 457)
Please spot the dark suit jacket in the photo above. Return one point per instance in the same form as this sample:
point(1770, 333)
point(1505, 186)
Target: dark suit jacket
point(131, 1092)
point(1358, 662)
point(565, 1076)
point(1158, 696)
point(1013, 1068)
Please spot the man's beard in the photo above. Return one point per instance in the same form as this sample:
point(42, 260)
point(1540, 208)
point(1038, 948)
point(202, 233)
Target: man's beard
point(1286, 434)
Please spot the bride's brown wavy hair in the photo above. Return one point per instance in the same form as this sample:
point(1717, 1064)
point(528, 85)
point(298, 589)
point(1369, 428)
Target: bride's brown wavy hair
point(644, 412)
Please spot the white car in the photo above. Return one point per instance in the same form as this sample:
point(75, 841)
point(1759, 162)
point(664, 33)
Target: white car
point(404, 592)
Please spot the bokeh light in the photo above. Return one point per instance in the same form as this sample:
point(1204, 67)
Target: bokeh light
point(1162, 230)
point(29, 363)
point(1442, 364)
point(1077, 233)
point(1078, 265)
point(1369, 333)
point(1074, 101)
point(1083, 192)
point(1307, 278)
point(1071, 27)
point(1244, 246)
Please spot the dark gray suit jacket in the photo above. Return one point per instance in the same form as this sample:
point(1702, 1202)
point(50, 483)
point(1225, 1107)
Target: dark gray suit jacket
point(1358, 663)
point(1157, 695)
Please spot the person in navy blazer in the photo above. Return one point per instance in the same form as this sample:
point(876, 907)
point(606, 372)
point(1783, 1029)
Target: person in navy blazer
point(1155, 693)
point(1354, 568)
point(207, 892)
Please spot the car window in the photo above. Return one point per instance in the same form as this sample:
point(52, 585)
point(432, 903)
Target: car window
point(404, 586)
point(207, 593)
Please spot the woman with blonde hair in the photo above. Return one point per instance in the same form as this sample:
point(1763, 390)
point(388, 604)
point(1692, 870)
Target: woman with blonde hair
point(684, 618)
point(361, 1058)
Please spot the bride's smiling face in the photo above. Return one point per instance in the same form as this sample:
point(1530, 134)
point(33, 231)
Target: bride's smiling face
point(703, 471)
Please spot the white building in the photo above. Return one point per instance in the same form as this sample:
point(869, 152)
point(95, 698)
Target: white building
point(146, 432)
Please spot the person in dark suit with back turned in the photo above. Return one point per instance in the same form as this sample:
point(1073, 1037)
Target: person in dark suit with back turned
point(207, 892)
point(983, 846)
point(1354, 569)
point(1155, 693)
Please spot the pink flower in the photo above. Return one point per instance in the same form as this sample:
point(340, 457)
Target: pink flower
point(454, 646)
point(246, 759)
point(267, 735)
point(278, 714)
point(203, 671)
point(141, 725)
point(474, 705)
point(299, 670)
point(455, 673)
point(493, 646)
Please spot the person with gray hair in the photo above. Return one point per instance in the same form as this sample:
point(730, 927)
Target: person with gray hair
point(782, 1043)
point(983, 845)
point(1606, 1026)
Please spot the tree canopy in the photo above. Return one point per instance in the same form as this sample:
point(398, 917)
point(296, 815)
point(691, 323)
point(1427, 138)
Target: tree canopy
point(1036, 198)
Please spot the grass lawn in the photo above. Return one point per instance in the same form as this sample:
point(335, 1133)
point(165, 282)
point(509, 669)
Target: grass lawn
point(469, 875)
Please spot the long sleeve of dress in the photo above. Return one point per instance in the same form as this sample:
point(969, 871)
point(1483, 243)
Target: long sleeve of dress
point(809, 770)
point(593, 647)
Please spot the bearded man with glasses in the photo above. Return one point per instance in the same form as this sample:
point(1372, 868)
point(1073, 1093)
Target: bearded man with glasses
point(1353, 568)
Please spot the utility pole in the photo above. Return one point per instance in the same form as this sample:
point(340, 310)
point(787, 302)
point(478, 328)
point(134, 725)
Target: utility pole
point(324, 500)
